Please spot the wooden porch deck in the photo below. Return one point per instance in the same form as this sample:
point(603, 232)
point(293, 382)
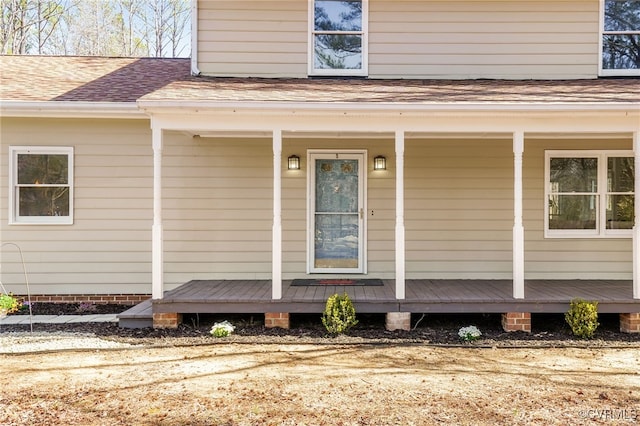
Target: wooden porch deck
point(435, 296)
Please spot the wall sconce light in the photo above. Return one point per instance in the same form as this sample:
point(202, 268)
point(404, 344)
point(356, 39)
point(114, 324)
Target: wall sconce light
point(293, 162)
point(380, 163)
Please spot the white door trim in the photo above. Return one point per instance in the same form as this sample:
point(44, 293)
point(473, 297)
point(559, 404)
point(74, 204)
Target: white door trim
point(360, 155)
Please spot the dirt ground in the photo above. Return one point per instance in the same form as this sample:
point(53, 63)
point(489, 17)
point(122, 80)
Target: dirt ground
point(322, 384)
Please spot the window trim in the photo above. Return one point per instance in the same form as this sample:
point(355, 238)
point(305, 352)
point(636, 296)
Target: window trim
point(14, 217)
point(362, 72)
point(601, 33)
point(601, 230)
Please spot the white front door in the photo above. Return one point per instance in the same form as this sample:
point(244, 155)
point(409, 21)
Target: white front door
point(336, 211)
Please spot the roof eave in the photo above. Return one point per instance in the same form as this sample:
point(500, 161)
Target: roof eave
point(70, 109)
point(151, 106)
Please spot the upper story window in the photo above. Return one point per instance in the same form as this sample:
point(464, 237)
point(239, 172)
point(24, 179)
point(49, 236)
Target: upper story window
point(589, 194)
point(41, 185)
point(338, 37)
point(620, 37)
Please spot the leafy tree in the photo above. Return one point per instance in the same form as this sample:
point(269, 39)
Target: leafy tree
point(95, 27)
point(27, 25)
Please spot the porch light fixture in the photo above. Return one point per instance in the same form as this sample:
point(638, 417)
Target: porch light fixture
point(293, 162)
point(380, 163)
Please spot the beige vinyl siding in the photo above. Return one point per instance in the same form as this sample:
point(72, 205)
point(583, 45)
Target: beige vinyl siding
point(411, 39)
point(567, 258)
point(483, 39)
point(252, 38)
point(217, 208)
point(107, 249)
point(458, 208)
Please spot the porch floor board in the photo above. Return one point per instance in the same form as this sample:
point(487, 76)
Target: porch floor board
point(436, 296)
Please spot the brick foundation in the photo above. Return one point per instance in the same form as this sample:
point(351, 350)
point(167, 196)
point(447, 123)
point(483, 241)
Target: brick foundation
point(118, 299)
point(630, 323)
point(166, 320)
point(516, 321)
point(398, 321)
point(276, 319)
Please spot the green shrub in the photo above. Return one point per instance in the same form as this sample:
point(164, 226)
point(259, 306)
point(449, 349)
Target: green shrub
point(582, 317)
point(222, 329)
point(9, 303)
point(339, 315)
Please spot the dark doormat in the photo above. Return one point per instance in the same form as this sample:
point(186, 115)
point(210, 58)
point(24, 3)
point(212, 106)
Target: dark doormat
point(337, 281)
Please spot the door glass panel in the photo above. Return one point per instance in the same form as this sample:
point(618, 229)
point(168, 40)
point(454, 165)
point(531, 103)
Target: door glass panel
point(336, 236)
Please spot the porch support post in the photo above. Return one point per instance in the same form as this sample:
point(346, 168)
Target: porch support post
point(518, 227)
point(400, 234)
point(157, 254)
point(276, 249)
point(636, 224)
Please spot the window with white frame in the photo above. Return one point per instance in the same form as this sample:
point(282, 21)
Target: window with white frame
point(589, 194)
point(620, 40)
point(41, 181)
point(338, 37)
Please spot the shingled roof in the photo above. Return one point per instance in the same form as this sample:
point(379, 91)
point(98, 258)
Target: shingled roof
point(86, 79)
point(99, 79)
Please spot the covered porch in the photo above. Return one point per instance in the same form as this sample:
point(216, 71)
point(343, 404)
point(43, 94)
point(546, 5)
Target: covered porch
point(457, 223)
point(422, 296)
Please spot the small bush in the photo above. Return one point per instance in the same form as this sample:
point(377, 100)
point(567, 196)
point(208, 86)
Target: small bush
point(222, 329)
point(469, 334)
point(582, 317)
point(9, 303)
point(339, 315)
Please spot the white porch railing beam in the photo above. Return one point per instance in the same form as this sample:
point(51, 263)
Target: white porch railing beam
point(157, 250)
point(518, 227)
point(636, 224)
point(400, 234)
point(276, 249)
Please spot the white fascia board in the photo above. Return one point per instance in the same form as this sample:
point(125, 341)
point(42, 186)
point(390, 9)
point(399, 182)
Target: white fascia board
point(71, 109)
point(151, 106)
point(207, 121)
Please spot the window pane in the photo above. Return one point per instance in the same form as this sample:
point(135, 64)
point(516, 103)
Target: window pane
point(43, 169)
point(574, 175)
point(572, 211)
point(620, 212)
point(621, 51)
point(338, 51)
point(43, 201)
point(622, 15)
point(620, 176)
point(332, 15)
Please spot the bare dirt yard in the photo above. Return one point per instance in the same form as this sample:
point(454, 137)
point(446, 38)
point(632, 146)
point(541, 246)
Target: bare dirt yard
point(231, 383)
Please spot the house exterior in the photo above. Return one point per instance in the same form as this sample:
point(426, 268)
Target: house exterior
point(404, 140)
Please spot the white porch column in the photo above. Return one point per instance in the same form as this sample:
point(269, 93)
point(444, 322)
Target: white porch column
point(157, 267)
point(518, 228)
point(276, 248)
point(636, 224)
point(400, 235)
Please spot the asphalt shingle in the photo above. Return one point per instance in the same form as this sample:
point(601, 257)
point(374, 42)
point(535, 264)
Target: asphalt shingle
point(100, 79)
